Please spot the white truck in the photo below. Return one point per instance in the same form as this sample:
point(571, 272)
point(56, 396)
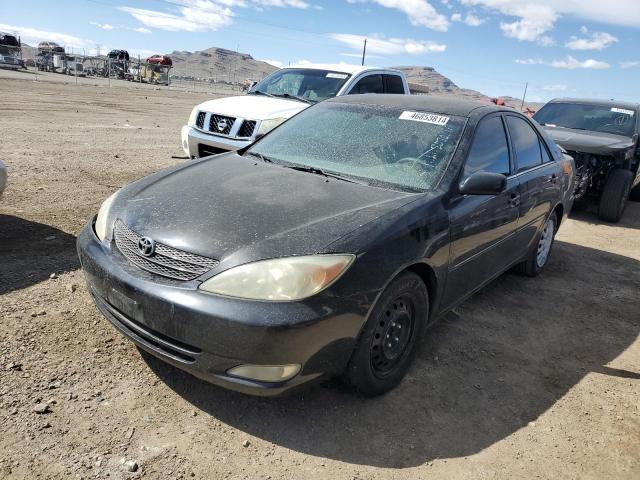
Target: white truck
point(231, 123)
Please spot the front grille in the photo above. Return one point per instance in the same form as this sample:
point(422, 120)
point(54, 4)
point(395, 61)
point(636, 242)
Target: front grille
point(166, 261)
point(247, 128)
point(206, 150)
point(200, 119)
point(218, 121)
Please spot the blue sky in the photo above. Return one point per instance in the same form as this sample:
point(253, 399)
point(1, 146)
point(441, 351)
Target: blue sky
point(561, 47)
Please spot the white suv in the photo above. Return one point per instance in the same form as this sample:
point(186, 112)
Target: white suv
point(231, 123)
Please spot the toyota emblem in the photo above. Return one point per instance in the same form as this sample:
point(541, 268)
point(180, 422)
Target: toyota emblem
point(222, 124)
point(146, 246)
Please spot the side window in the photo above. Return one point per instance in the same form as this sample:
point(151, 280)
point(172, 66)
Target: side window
point(393, 84)
point(545, 153)
point(526, 143)
point(489, 151)
point(368, 84)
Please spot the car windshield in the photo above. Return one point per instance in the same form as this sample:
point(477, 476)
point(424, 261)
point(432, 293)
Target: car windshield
point(596, 118)
point(380, 146)
point(304, 83)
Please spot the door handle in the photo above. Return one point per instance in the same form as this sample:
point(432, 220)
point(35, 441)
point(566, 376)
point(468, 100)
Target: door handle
point(552, 178)
point(514, 200)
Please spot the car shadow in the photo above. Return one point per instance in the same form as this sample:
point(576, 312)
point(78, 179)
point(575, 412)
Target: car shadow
point(30, 252)
point(484, 371)
point(587, 211)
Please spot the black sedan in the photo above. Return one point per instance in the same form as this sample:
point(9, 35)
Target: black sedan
point(326, 247)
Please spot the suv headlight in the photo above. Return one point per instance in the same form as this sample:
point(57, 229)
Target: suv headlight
point(103, 214)
point(269, 124)
point(192, 117)
point(280, 279)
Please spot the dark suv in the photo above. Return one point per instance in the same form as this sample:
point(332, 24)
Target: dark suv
point(602, 137)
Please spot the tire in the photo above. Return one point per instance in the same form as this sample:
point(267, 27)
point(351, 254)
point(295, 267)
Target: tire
point(541, 252)
point(614, 195)
point(400, 315)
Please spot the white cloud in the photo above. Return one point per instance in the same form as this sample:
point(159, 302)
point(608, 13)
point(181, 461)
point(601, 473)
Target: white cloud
point(571, 63)
point(469, 19)
point(594, 41)
point(630, 64)
point(275, 63)
point(202, 15)
point(555, 88)
point(534, 19)
point(142, 30)
point(530, 61)
point(103, 26)
point(33, 36)
point(190, 19)
point(420, 12)
point(359, 55)
point(388, 46)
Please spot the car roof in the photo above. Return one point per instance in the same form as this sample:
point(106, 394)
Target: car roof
point(341, 67)
point(425, 103)
point(594, 101)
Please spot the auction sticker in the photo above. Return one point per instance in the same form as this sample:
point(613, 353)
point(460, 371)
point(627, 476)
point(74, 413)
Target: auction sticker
point(622, 110)
point(424, 117)
point(341, 76)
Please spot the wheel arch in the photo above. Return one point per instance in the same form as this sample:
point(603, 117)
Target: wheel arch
point(559, 211)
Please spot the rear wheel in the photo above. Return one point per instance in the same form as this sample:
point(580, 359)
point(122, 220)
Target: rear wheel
point(387, 345)
point(615, 194)
point(540, 254)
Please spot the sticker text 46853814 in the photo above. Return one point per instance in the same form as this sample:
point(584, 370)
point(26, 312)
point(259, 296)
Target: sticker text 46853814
point(424, 117)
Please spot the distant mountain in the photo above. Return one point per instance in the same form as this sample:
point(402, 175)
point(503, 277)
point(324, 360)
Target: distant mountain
point(220, 64)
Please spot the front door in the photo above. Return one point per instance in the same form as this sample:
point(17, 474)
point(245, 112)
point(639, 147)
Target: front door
point(483, 227)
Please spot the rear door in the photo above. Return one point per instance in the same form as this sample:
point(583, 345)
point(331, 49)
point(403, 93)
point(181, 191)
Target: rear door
point(539, 176)
point(483, 227)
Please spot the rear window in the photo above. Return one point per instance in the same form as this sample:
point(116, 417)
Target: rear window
point(595, 118)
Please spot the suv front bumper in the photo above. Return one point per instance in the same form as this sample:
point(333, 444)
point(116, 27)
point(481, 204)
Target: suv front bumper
point(194, 141)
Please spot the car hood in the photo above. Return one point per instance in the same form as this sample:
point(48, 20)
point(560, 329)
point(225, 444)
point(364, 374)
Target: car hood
point(237, 210)
point(588, 141)
point(254, 107)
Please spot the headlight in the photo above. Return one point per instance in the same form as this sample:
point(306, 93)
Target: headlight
point(192, 117)
point(103, 213)
point(280, 279)
point(268, 125)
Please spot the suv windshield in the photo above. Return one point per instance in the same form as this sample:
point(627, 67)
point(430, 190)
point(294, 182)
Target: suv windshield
point(596, 118)
point(303, 83)
point(380, 146)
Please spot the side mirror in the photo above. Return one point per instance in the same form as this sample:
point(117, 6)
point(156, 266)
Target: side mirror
point(483, 183)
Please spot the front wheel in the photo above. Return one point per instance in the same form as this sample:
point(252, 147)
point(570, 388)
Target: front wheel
point(615, 194)
point(387, 345)
point(539, 256)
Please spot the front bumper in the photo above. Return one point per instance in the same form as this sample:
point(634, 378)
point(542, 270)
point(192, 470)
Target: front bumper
point(206, 335)
point(192, 138)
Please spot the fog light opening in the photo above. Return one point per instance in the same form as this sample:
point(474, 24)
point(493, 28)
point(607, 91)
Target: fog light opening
point(265, 373)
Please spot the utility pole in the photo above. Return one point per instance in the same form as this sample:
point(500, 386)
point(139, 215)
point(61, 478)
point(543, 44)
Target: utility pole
point(364, 50)
point(524, 96)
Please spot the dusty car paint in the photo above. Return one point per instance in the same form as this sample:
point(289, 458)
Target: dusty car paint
point(237, 209)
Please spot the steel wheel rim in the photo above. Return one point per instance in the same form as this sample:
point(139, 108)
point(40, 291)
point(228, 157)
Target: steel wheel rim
point(392, 335)
point(544, 244)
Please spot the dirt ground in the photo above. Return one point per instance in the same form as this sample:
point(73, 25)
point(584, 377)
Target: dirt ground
point(531, 378)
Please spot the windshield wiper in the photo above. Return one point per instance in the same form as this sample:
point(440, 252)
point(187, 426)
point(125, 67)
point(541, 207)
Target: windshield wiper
point(258, 92)
point(260, 156)
point(295, 97)
point(318, 171)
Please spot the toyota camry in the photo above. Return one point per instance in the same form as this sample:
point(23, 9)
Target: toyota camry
point(326, 248)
